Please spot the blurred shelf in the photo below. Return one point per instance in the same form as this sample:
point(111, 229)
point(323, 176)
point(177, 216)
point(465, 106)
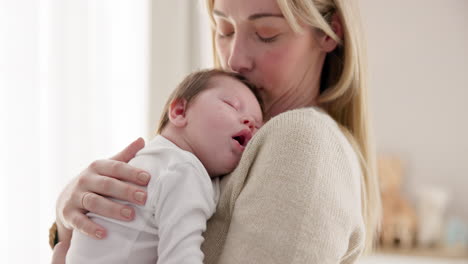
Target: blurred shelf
point(445, 253)
point(402, 259)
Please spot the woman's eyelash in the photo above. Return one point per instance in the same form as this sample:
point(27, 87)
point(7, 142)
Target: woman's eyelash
point(267, 40)
point(225, 35)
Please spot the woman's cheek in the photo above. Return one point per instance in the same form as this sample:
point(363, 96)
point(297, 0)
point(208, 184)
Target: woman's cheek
point(272, 67)
point(274, 57)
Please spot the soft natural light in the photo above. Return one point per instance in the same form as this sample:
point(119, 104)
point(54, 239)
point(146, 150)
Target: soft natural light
point(81, 79)
point(77, 79)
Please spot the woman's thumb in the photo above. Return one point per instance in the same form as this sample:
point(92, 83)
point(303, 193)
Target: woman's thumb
point(130, 151)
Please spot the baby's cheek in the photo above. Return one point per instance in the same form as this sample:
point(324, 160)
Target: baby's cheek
point(217, 119)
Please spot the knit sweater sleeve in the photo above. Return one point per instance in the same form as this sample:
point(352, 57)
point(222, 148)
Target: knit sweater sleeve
point(301, 199)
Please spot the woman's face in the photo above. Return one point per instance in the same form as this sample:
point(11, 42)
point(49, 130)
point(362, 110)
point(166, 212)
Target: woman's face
point(254, 39)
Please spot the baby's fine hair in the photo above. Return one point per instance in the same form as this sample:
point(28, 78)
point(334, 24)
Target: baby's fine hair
point(197, 82)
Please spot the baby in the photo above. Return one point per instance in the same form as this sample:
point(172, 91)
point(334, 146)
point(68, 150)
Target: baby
point(206, 125)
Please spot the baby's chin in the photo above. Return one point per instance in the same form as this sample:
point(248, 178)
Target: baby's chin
point(225, 168)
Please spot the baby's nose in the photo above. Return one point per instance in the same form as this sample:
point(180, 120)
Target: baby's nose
point(248, 122)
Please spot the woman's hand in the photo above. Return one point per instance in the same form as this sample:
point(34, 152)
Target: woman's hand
point(102, 178)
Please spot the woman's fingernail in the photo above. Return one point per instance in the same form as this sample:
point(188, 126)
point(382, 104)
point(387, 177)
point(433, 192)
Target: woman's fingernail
point(99, 234)
point(143, 177)
point(140, 196)
point(127, 213)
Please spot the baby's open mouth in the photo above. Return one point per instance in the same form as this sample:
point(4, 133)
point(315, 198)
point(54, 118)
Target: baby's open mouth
point(243, 137)
point(241, 140)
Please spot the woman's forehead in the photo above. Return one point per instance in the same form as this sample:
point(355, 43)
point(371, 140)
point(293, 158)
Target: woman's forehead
point(245, 9)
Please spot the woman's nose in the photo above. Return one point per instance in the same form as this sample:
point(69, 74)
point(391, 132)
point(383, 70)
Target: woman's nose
point(239, 59)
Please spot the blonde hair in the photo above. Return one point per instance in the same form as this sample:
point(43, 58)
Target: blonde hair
point(343, 88)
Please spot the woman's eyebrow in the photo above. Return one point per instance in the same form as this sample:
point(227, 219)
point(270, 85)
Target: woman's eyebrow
point(262, 15)
point(251, 17)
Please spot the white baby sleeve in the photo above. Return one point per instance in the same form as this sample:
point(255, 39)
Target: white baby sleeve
point(184, 201)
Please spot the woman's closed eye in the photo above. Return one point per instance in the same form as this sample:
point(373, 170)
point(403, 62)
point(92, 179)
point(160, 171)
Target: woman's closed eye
point(224, 34)
point(260, 37)
point(224, 30)
point(267, 34)
point(267, 39)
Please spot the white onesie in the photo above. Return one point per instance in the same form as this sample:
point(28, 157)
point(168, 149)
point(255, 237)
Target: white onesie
point(169, 227)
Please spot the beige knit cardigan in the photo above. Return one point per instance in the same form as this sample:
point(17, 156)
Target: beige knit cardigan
point(294, 198)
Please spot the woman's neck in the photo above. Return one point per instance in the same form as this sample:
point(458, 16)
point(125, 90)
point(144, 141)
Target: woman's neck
point(290, 101)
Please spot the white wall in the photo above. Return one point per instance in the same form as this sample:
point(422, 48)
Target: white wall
point(180, 44)
point(74, 78)
point(418, 53)
point(18, 129)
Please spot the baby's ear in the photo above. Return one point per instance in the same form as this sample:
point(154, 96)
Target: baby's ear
point(177, 112)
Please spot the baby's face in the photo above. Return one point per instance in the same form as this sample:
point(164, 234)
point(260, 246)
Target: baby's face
point(220, 122)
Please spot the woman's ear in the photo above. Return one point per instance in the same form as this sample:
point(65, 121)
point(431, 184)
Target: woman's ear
point(328, 43)
point(177, 112)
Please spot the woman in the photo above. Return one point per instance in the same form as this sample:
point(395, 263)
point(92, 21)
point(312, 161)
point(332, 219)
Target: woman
point(305, 190)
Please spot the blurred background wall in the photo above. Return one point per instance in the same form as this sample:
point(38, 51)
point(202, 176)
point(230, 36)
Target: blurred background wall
point(181, 43)
point(74, 79)
point(418, 63)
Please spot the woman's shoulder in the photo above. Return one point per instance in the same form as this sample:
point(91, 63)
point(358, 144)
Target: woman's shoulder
point(306, 132)
point(303, 118)
point(310, 123)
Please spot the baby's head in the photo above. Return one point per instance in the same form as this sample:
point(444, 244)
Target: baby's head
point(213, 114)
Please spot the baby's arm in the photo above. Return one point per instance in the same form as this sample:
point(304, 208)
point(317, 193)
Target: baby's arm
point(183, 203)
